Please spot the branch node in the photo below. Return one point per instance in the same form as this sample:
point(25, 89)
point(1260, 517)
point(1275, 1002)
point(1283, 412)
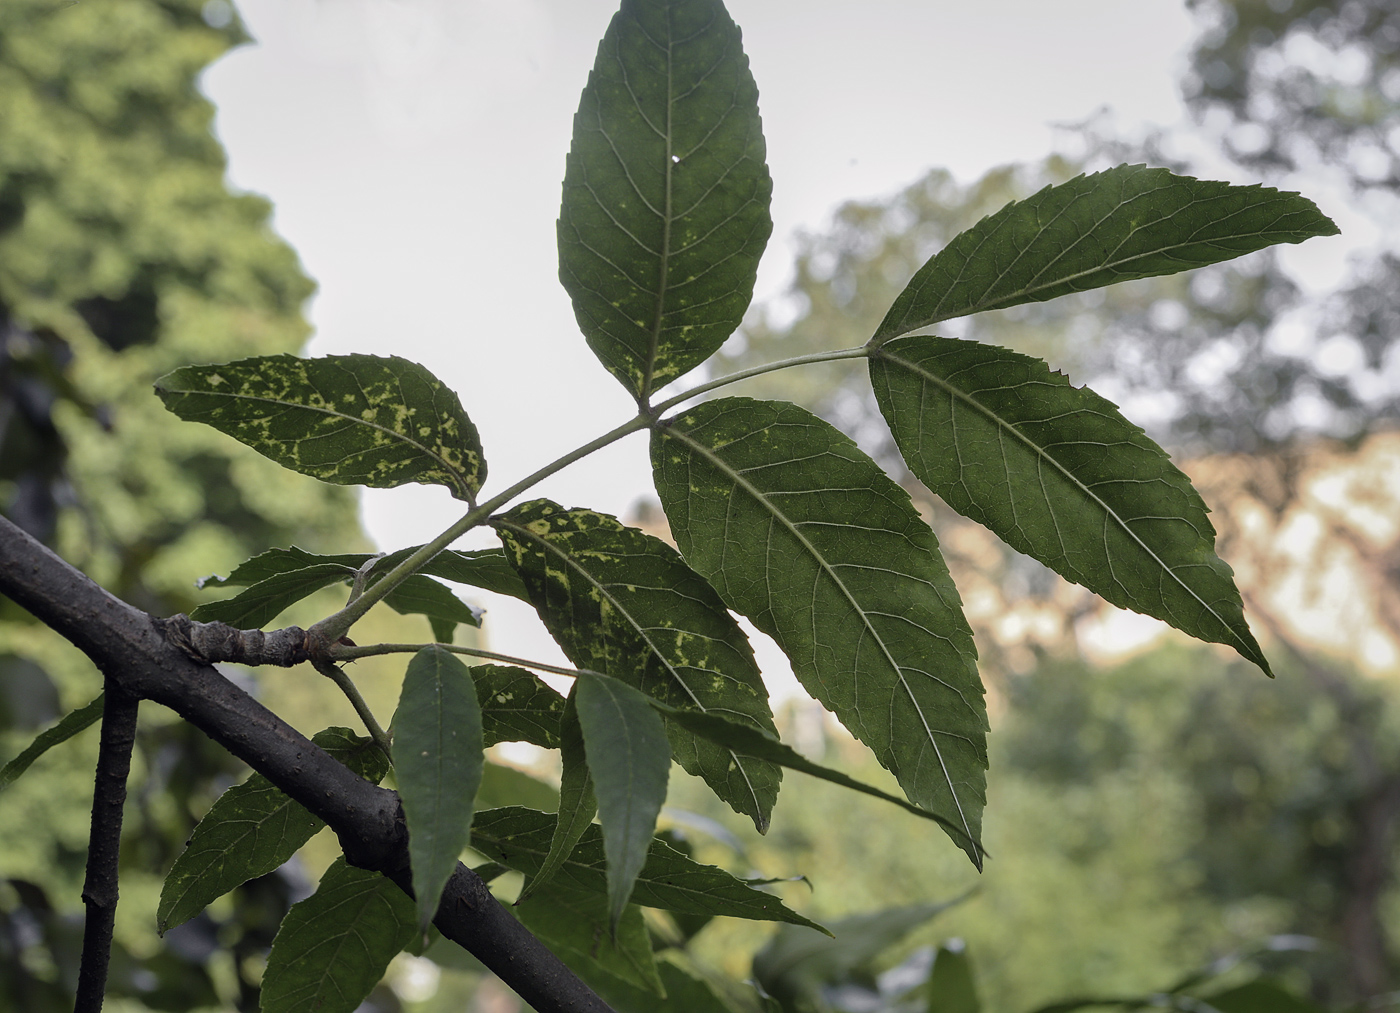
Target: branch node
point(211, 643)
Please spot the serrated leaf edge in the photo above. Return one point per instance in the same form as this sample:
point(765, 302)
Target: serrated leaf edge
point(738, 479)
point(641, 631)
point(1245, 646)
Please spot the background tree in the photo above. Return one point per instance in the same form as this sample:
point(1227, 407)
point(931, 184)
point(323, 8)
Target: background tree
point(122, 255)
point(1234, 358)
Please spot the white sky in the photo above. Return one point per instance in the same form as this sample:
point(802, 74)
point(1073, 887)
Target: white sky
point(414, 151)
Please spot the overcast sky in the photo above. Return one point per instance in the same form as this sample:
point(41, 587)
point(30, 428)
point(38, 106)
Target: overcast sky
point(414, 148)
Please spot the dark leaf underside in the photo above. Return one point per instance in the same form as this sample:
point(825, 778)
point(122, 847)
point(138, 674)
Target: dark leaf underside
point(804, 534)
point(1060, 475)
point(665, 207)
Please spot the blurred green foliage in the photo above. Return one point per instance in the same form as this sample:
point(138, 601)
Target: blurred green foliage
point(123, 254)
point(1145, 819)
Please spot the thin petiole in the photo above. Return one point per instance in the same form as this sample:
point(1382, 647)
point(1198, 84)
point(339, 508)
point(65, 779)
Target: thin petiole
point(344, 652)
point(333, 627)
point(352, 693)
point(859, 352)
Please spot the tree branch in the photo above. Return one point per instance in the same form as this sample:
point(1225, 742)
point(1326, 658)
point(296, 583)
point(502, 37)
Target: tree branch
point(104, 844)
point(132, 651)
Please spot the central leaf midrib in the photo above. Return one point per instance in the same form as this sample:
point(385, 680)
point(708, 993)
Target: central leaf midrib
point(664, 260)
point(340, 415)
point(1041, 454)
point(835, 578)
point(510, 842)
point(640, 631)
point(983, 307)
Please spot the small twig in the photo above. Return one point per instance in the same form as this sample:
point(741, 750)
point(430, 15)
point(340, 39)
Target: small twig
point(347, 686)
point(104, 845)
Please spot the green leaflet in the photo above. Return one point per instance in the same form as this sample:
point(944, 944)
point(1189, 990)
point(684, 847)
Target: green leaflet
point(625, 604)
point(516, 706)
point(577, 803)
point(250, 830)
point(508, 786)
point(333, 947)
point(797, 962)
point(629, 761)
point(487, 569)
point(804, 534)
point(685, 992)
point(577, 927)
point(1060, 475)
point(279, 578)
point(423, 595)
point(275, 562)
point(264, 601)
point(69, 725)
point(1127, 222)
point(483, 568)
point(345, 419)
point(519, 838)
point(437, 763)
point(951, 985)
point(665, 208)
point(746, 741)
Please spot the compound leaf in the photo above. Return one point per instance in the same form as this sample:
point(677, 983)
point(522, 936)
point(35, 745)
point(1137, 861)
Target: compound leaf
point(665, 208)
point(1060, 475)
point(519, 839)
point(437, 762)
point(624, 603)
point(334, 947)
point(345, 419)
point(1127, 222)
point(629, 760)
point(804, 534)
point(252, 829)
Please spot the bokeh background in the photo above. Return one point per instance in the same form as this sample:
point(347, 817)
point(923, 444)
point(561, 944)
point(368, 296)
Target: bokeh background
point(184, 181)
